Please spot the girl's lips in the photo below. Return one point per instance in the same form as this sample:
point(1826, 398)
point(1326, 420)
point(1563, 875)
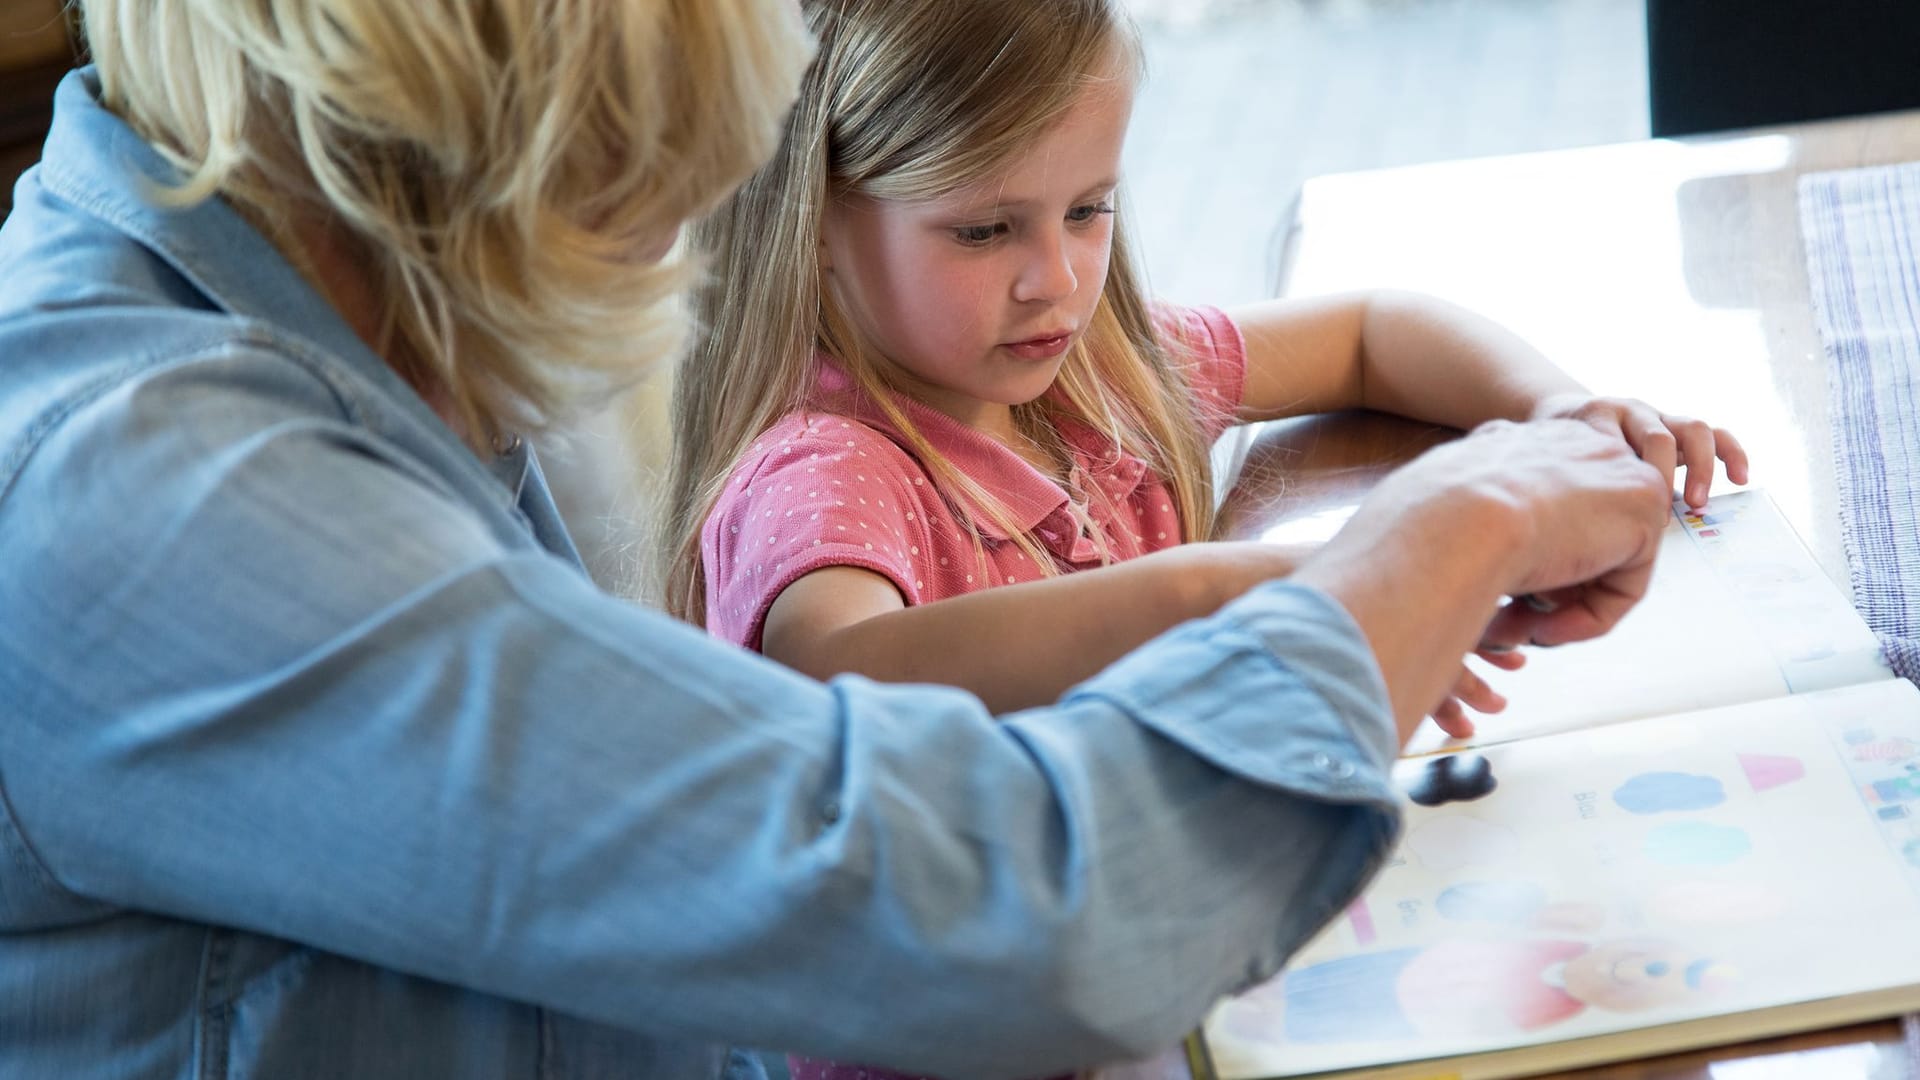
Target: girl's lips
point(1043, 348)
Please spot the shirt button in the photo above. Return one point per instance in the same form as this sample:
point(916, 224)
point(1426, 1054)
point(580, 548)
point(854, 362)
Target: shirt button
point(1339, 770)
point(830, 813)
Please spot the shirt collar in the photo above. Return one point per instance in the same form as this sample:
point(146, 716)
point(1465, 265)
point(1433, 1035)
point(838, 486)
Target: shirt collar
point(96, 162)
point(1029, 495)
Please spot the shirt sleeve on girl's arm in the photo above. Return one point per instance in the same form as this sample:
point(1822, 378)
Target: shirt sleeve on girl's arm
point(1206, 343)
point(836, 493)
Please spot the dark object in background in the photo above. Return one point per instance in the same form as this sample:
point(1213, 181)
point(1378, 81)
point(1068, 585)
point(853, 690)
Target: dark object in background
point(1719, 64)
point(1453, 778)
point(36, 49)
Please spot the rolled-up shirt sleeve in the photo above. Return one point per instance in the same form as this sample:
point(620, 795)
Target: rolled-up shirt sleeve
point(357, 712)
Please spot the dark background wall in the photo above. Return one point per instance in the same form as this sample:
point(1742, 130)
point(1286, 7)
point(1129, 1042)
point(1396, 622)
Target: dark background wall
point(35, 50)
point(1720, 64)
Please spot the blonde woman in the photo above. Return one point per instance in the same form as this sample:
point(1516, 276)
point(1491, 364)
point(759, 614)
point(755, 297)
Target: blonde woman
point(319, 754)
point(930, 370)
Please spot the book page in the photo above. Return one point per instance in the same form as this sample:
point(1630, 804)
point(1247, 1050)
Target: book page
point(1616, 878)
point(1738, 611)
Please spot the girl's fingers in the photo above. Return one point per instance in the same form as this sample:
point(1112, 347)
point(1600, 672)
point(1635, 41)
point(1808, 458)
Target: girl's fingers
point(1472, 691)
point(1730, 451)
point(1505, 658)
point(1452, 719)
point(1657, 447)
point(1697, 449)
point(1669, 443)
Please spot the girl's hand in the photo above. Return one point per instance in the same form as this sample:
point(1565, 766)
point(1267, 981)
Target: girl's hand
point(1662, 440)
point(1471, 691)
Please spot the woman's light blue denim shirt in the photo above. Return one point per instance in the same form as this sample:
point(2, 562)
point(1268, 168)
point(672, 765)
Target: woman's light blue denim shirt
point(320, 755)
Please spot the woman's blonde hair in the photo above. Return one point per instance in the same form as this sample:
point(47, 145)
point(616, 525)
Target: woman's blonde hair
point(909, 101)
point(497, 166)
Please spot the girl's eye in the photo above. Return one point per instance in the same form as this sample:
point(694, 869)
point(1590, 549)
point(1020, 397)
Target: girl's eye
point(1087, 215)
point(978, 235)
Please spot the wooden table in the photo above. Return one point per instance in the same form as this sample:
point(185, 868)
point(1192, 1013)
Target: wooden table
point(1667, 270)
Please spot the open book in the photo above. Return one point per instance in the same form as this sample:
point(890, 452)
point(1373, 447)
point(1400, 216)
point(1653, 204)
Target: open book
point(1699, 831)
point(1738, 611)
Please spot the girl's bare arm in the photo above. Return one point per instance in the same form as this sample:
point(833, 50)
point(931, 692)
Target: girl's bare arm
point(1424, 358)
point(1015, 646)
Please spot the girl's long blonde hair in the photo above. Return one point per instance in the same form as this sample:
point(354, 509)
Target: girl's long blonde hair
point(909, 101)
point(496, 166)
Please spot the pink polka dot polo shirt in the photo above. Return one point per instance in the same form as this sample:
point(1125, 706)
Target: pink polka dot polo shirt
point(829, 485)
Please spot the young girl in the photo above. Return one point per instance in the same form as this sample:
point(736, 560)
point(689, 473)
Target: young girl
point(928, 369)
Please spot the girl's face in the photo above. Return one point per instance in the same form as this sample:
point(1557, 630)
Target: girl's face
point(974, 298)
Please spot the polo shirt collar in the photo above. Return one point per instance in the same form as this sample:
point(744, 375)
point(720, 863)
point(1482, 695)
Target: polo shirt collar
point(1037, 504)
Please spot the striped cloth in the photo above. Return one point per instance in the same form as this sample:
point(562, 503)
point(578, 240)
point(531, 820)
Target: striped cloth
point(1862, 231)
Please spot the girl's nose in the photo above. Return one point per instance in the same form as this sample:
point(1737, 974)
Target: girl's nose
point(1048, 275)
